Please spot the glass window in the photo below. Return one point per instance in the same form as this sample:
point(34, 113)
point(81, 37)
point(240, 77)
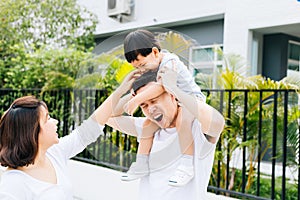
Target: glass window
point(294, 50)
point(202, 55)
point(205, 59)
point(293, 56)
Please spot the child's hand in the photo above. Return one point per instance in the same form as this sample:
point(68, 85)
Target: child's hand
point(168, 78)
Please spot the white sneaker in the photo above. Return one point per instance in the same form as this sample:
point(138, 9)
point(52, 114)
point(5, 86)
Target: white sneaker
point(182, 176)
point(137, 170)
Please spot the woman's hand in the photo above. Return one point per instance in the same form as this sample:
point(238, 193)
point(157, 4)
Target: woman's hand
point(126, 84)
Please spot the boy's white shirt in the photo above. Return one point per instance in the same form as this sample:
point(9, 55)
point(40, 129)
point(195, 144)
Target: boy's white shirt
point(185, 80)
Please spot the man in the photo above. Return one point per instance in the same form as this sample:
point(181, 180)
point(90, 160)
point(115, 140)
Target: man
point(163, 109)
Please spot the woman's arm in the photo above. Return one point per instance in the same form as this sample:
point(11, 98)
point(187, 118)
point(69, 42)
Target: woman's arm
point(119, 109)
point(108, 107)
point(124, 124)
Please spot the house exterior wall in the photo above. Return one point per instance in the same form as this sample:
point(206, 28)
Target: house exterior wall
point(244, 17)
point(243, 22)
point(205, 33)
point(156, 13)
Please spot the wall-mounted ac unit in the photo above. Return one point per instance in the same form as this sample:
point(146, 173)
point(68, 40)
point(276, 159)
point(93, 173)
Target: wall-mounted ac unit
point(118, 7)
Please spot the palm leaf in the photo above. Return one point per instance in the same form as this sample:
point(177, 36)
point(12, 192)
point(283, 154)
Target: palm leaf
point(176, 43)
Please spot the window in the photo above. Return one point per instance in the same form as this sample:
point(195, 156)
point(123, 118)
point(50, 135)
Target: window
point(293, 57)
point(205, 59)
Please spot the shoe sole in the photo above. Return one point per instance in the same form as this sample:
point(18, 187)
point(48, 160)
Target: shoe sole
point(176, 184)
point(131, 178)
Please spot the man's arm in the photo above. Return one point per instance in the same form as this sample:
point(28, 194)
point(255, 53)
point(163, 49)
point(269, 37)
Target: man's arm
point(212, 122)
point(126, 124)
point(153, 91)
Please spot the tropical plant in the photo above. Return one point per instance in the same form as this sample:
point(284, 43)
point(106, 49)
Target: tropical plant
point(176, 43)
point(234, 79)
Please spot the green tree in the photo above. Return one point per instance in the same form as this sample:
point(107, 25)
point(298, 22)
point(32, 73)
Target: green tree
point(54, 23)
point(30, 28)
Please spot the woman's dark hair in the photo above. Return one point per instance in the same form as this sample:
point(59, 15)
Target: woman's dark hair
point(139, 42)
point(19, 132)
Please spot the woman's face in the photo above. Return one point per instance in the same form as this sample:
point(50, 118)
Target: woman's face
point(48, 128)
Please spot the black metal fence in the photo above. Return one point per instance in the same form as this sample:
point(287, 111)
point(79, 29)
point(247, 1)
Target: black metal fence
point(263, 126)
point(257, 155)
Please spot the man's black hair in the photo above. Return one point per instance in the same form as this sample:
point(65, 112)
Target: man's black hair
point(144, 79)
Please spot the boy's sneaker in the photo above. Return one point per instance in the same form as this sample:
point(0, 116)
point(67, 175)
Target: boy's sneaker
point(137, 170)
point(182, 176)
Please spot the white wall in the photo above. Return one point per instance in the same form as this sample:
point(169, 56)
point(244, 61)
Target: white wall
point(242, 16)
point(163, 11)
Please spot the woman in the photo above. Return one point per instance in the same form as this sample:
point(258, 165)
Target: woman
point(36, 159)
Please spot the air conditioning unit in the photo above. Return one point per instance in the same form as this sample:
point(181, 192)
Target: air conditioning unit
point(118, 7)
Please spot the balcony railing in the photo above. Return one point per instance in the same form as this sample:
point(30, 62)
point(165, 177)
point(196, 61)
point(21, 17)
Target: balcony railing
point(257, 155)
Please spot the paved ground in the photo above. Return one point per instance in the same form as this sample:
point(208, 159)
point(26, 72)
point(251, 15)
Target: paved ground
point(89, 178)
point(219, 197)
point(109, 178)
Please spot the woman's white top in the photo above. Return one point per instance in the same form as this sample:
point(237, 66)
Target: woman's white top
point(17, 185)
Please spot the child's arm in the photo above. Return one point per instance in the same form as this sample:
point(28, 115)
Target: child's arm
point(212, 122)
point(149, 128)
point(146, 140)
point(184, 123)
point(153, 91)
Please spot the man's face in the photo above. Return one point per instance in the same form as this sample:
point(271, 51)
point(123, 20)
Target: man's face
point(162, 109)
